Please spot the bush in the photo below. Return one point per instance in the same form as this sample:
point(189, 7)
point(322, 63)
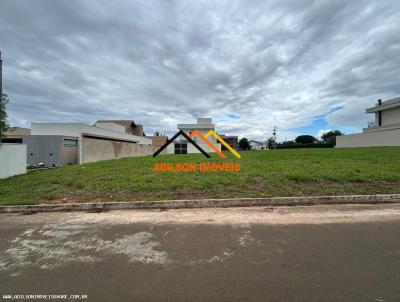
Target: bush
point(244, 144)
point(296, 146)
point(305, 139)
point(330, 137)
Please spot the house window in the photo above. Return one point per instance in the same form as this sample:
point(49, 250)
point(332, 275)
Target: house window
point(70, 143)
point(180, 148)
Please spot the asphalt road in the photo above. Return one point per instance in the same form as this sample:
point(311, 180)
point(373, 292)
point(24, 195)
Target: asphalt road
point(321, 253)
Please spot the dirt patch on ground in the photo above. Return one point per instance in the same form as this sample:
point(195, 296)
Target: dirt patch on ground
point(323, 214)
point(279, 215)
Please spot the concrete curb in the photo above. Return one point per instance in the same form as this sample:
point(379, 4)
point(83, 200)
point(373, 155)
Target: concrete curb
point(203, 203)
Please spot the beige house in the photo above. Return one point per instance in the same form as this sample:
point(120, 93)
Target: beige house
point(384, 131)
point(256, 145)
point(127, 126)
point(203, 125)
point(158, 141)
point(108, 140)
point(15, 135)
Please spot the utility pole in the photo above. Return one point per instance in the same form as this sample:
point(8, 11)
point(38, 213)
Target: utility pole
point(274, 136)
point(1, 87)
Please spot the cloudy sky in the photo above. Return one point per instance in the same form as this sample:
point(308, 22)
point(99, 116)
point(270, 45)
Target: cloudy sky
point(304, 66)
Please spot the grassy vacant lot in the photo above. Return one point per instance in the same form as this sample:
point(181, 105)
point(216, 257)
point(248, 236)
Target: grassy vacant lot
point(296, 172)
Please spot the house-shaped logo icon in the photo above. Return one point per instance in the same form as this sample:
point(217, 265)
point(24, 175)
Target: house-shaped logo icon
point(204, 138)
point(189, 139)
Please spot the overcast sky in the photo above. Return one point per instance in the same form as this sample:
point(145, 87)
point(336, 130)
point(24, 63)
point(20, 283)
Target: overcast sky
point(304, 66)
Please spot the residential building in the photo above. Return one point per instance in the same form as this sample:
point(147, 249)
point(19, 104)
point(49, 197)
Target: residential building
point(129, 126)
point(51, 150)
point(384, 131)
point(203, 125)
point(15, 135)
point(158, 141)
point(256, 145)
point(90, 143)
point(232, 140)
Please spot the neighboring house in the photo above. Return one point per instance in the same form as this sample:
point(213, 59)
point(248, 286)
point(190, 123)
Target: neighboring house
point(68, 143)
point(129, 126)
point(158, 141)
point(384, 131)
point(15, 135)
point(256, 145)
point(233, 141)
point(182, 146)
point(51, 150)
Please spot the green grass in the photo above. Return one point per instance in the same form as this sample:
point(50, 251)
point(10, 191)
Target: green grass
point(298, 172)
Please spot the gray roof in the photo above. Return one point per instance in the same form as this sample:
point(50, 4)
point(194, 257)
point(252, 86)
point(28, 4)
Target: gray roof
point(389, 104)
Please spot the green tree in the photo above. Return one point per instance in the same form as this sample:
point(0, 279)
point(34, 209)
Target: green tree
point(305, 139)
point(244, 144)
point(271, 143)
point(330, 137)
point(288, 142)
point(3, 114)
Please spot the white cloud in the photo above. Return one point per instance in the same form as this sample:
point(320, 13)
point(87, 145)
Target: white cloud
point(162, 63)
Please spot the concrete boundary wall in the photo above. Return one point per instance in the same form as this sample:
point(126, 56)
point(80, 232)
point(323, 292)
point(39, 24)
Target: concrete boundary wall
point(205, 203)
point(95, 149)
point(12, 160)
point(369, 139)
point(77, 130)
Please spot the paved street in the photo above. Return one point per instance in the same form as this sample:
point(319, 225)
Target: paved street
point(319, 253)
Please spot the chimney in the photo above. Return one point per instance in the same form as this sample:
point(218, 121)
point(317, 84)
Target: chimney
point(379, 102)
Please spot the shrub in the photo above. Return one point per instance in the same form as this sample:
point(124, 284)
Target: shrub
point(305, 139)
point(297, 146)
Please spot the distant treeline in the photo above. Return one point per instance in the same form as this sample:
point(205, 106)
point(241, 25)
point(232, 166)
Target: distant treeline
point(310, 145)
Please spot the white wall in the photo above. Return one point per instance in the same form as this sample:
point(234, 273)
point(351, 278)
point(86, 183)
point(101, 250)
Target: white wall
point(255, 146)
point(204, 120)
point(75, 129)
point(391, 116)
point(170, 148)
point(192, 149)
point(12, 160)
point(370, 139)
point(101, 149)
point(111, 126)
point(376, 119)
point(196, 138)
